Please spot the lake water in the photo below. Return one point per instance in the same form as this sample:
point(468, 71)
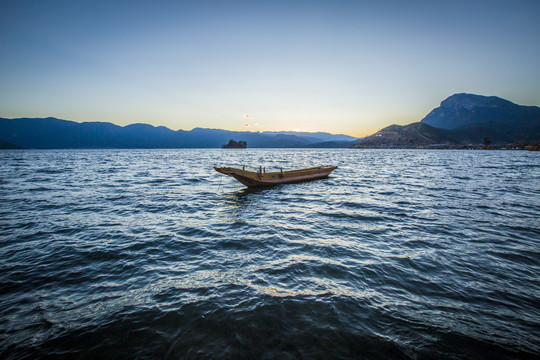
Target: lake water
point(152, 254)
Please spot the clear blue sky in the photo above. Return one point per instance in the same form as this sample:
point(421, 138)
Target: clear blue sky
point(348, 67)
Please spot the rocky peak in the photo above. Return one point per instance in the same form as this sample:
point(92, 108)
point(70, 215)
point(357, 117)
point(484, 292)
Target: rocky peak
point(466, 110)
point(471, 101)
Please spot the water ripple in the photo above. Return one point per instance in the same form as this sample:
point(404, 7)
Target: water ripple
point(151, 254)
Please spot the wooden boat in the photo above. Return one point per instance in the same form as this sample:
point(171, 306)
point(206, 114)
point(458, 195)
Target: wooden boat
point(263, 178)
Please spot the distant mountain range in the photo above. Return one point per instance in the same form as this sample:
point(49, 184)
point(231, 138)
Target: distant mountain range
point(461, 120)
point(52, 133)
point(464, 120)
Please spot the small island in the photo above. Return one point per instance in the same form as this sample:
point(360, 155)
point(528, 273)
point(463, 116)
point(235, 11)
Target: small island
point(235, 145)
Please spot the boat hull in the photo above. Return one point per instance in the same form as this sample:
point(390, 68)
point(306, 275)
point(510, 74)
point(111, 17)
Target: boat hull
point(257, 179)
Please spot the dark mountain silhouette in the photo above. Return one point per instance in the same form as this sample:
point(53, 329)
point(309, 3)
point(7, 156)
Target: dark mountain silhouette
point(52, 133)
point(420, 134)
point(465, 110)
point(6, 145)
point(314, 137)
point(464, 119)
